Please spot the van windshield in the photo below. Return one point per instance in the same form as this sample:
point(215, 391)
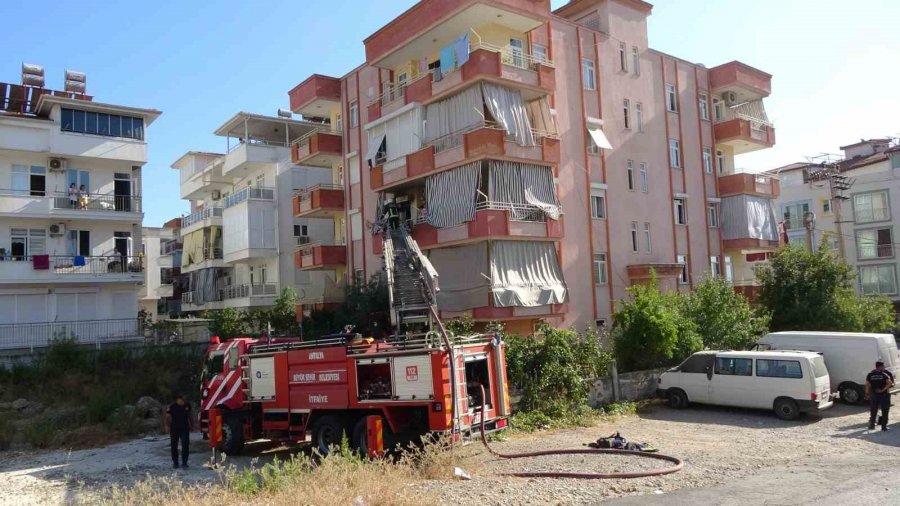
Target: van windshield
point(819, 367)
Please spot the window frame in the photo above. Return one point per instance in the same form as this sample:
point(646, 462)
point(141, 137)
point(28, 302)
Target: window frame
point(635, 61)
point(787, 206)
point(715, 266)
point(623, 57)
point(712, 214)
point(671, 98)
point(645, 183)
point(600, 269)
point(704, 106)
point(629, 175)
point(674, 153)
point(870, 194)
point(718, 370)
point(774, 367)
point(540, 53)
point(680, 210)
point(588, 74)
point(83, 122)
point(891, 267)
point(684, 277)
point(720, 160)
point(626, 110)
point(592, 148)
point(707, 160)
point(648, 246)
point(635, 239)
point(353, 113)
point(877, 246)
point(639, 116)
point(595, 198)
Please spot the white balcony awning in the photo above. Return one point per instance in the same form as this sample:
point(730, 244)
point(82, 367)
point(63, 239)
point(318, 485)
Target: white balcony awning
point(599, 138)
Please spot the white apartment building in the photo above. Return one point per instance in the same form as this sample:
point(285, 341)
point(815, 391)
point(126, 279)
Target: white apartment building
point(70, 213)
point(853, 210)
point(162, 265)
point(242, 236)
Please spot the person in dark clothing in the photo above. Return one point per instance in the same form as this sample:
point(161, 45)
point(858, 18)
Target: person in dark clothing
point(878, 389)
point(179, 424)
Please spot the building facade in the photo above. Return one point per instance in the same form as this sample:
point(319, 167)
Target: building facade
point(242, 236)
point(545, 160)
point(160, 295)
point(70, 212)
point(848, 202)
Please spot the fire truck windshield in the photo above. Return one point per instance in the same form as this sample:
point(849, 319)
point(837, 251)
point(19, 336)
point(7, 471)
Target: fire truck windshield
point(214, 365)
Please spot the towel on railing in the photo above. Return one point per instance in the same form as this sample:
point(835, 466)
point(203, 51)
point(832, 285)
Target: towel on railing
point(461, 47)
point(447, 61)
point(40, 262)
point(78, 261)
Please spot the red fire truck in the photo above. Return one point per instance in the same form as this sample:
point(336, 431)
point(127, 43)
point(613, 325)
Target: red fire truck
point(418, 384)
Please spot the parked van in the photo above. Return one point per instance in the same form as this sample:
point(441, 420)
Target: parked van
point(788, 382)
point(849, 356)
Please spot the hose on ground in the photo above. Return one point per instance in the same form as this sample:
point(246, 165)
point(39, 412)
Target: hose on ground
point(678, 464)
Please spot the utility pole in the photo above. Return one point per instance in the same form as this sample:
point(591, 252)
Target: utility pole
point(838, 185)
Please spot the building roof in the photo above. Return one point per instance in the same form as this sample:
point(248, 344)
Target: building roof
point(866, 141)
point(48, 101)
point(260, 126)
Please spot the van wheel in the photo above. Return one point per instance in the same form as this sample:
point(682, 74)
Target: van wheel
point(677, 399)
point(327, 431)
point(787, 409)
point(851, 394)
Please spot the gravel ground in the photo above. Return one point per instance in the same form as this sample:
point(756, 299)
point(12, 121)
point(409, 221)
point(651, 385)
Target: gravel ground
point(718, 446)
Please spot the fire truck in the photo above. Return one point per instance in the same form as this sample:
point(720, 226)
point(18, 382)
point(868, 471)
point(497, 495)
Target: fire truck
point(421, 381)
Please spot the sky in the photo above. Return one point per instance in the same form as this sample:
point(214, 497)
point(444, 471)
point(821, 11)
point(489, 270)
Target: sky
point(835, 63)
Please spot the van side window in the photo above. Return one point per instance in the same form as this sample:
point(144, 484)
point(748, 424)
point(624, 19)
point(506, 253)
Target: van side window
point(734, 366)
point(778, 368)
point(696, 364)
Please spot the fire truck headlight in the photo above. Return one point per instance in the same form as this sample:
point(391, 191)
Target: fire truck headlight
point(205, 393)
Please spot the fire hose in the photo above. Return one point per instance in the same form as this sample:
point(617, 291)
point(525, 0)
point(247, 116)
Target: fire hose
point(678, 464)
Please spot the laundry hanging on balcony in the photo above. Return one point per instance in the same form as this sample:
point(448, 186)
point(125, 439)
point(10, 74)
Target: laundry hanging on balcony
point(40, 262)
point(450, 195)
point(522, 188)
point(525, 274)
point(464, 274)
point(461, 48)
point(749, 216)
point(508, 109)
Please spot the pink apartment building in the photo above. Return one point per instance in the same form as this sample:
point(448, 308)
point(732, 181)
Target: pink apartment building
point(545, 160)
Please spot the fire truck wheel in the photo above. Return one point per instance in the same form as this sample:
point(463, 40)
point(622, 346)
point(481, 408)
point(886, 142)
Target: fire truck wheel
point(326, 432)
point(360, 437)
point(232, 436)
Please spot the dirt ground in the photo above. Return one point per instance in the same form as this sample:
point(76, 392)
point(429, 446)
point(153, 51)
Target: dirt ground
point(719, 446)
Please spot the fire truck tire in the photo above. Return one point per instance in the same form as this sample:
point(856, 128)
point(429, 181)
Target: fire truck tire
point(359, 439)
point(326, 431)
point(232, 436)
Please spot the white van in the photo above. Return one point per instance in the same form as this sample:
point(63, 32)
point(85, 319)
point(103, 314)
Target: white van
point(849, 356)
point(788, 382)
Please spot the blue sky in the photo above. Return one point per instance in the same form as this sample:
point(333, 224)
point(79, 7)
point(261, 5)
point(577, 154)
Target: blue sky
point(834, 62)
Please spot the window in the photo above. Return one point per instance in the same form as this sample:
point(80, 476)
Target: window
point(112, 125)
point(793, 215)
point(766, 368)
point(729, 270)
point(593, 148)
point(79, 243)
point(339, 122)
point(587, 74)
point(712, 211)
point(671, 98)
point(704, 107)
point(25, 242)
point(680, 212)
point(301, 231)
point(644, 187)
point(79, 178)
point(639, 116)
point(600, 269)
point(598, 206)
point(831, 241)
point(635, 245)
point(683, 277)
point(868, 207)
point(623, 58)
point(354, 114)
point(715, 269)
point(878, 279)
point(647, 247)
point(629, 172)
point(539, 53)
point(626, 109)
point(517, 52)
point(697, 364)
point(359, 277)
point(720, 161)
point(826, 206)
point(29, 181)
point(734, 366)
point(635, 61)
point(718, 109)
point(675, 153)
point(707, 161)
point(356, 229)
point(402, 81)
point(874, 243)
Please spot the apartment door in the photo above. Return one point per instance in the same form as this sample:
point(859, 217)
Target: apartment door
point(122, 191)
point(80, 243)
point(517, 52)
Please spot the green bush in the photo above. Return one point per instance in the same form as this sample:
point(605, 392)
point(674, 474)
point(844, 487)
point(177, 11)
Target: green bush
point(724, 318)
point(125, 420)
point(102, 403)
point(40, 432)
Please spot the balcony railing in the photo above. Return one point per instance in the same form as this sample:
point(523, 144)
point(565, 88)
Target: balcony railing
point(517, 212)
point(201, 215)
point(752, 111)
point(168, 248)
point(242, 291)
point(83, 202)
point(259, 142)
point(326, 128)
point(456, 139)
point(250, 193)
point(39, 335)
point(83, 265)
point(306, 193)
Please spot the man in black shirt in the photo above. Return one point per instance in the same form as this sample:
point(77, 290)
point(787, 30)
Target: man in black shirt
point(179, 424)
point(878, 389)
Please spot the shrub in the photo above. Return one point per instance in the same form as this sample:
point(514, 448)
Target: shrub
point(102, 403)
point(7, 431)
point(723, 317)
point(40, 432)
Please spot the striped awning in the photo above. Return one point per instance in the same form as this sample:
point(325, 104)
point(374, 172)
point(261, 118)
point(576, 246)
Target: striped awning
point(450, 195)
point(526, 274)
point(524, 184)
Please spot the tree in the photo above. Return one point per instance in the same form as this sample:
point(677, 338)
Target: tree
point(813, 290)
point(227, 323)
point(652, 330)
point(283, 316)
point(723, 317)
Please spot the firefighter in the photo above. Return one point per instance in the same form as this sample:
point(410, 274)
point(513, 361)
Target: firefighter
point(878, 389)
point(179, 423)
point(393, 216)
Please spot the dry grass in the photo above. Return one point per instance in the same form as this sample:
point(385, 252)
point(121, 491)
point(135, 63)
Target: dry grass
point(342, 478)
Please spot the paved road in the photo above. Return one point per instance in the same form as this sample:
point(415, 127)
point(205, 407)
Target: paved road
point(843, 480)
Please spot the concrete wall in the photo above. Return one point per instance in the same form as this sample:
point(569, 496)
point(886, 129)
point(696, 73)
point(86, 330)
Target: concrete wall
point(633, 386)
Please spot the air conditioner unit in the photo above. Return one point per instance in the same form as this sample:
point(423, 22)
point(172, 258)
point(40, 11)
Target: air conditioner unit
point(57, 164)
point(57, 229)
point(730, 98)
point(216, 194)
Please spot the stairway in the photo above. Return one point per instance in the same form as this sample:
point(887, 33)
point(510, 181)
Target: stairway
point(410, 303)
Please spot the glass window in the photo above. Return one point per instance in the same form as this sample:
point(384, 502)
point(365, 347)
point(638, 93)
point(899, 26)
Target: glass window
point(623, 58)
point(707, 161)
point(675, 153)
point(671, 98)
point(598, 206)
point(878, 279)
point(729, 270)
point(626, 107)
point(593, 148)
point(115, 125)
point(78, 123)
point(720, 161)
point(540, 53)
point(91, 123)
point(704, 106)
point(793, 215)
point(715, 269)
point(639, 116)
point(629, 173)
point(819, 367)
point(874, 243)
point(779, 368)
point(138, 125)
point(354, 114)
point(37, 241)
point(21, 184)
point(103, 124)
point(826, 206)
point(697, 364)
point(872, 206)
point(635, 244)
point(600, 269)
point(713, 212)
point(644, 187)
point(734, 366)
point(647, 248)
point(587, 74)
point(683, 277)
point(67, 120)
point(635, 61)
point(127, 130)
point(680, 212)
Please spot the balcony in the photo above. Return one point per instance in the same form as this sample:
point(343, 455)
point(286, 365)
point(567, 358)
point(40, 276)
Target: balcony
point(201, 175)
point(316, 97)
point(485, 141)
point(333, 295)
point(749, 184)
point(76, 269)
point(249, 295)
point(202, 219)
point(320, 201)
point(170, 248)
point(193, 301)
point(95, 206)
point(749, 221)
point(318, 256)
point(212, 257)
point(746, 82)
point(318, 149)
point(744, 127)
point(493, 220)
point(250, 193)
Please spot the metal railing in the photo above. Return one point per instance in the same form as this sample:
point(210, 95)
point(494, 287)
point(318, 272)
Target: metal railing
point(517, 212)
point(39, 335)
point(97, 202)
point(306, 193)
point(249, 193)
point(167, 248)
point(84, 265)
point(753, 111)
point(259, 142)
point(455, 139)
point(305, 246)
point(209, 212)
point(242, 291)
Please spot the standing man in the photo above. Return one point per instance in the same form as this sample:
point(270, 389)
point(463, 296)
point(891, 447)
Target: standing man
point(878, 390)
point(179, 424)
